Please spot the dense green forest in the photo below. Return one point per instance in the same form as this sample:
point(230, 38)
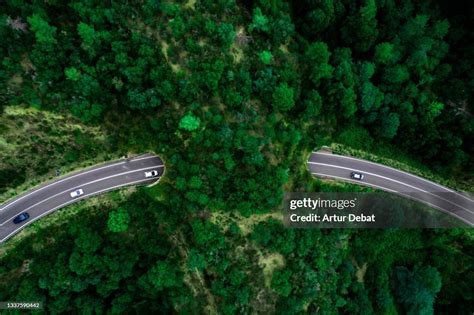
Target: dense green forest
point(233, 95)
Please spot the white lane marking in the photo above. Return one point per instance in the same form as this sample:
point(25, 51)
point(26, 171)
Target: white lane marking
point(7, 204)
point(399, 193)
point(364, 172)
point(392, 168)
point(85, 184)
point(69, 202)
point(356, 181)
point(393, 180)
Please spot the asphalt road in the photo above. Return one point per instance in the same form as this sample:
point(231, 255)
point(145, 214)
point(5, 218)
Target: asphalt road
point(55, 195)
point(386, 178)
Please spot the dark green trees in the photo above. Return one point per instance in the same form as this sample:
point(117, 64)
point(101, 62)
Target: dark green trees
point(283, 97)
point(232, 94)
point(416, 290)
point(360, 29)
point(317, 57)
point(118, 220)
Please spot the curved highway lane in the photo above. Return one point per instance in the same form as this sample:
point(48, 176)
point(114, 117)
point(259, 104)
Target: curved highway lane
point(55, 195)
point(387, 178)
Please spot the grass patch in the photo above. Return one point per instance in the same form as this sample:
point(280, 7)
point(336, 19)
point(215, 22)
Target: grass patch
point(360, 272)
point(246, 225)
point(270, 262)
point(35, 143)
point(235, 50)
point(190, 4)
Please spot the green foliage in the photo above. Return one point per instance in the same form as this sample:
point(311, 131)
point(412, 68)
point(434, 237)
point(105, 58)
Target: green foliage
point(196, 260)
point(367, 70)
point(371, 97)
point(313, 104)
point(195, 182)
point(283, 97)
point(385, 53)
point(64, 143)
point(87, 111)
point(417, 289)
point(44, 33)
point(162, 276)
point(118, 220)
point(283, 29)
point(435, 109)
point(391, 122)
point(318, 16)
point(360, 29)
point(440, 28)
point(348, 103)
point(265, 57)
point(189, 123)
point(259, 21)
point(317, 58)
point(72, 74)
point(356, 137)
point(281, 282)
point(370, 74)
point(226, 34)
point(397, 74)
point(87, 34)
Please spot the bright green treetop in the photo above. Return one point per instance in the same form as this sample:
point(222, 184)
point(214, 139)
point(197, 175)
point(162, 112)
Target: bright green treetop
point(189, 122)
point(43, 31)
point(265, 57)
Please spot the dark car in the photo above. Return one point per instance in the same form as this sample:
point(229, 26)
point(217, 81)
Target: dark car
point(21, 217)
point(357, 176)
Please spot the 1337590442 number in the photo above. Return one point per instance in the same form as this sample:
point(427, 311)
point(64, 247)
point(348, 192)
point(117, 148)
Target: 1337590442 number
point(21, 305)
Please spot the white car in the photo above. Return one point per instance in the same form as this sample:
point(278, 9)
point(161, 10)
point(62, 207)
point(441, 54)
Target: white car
point(152, 173)
point(357, 176)
point(77, 193)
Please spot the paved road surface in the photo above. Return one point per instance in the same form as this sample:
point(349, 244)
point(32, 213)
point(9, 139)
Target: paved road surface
point(392, 180)
point(55, 195)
